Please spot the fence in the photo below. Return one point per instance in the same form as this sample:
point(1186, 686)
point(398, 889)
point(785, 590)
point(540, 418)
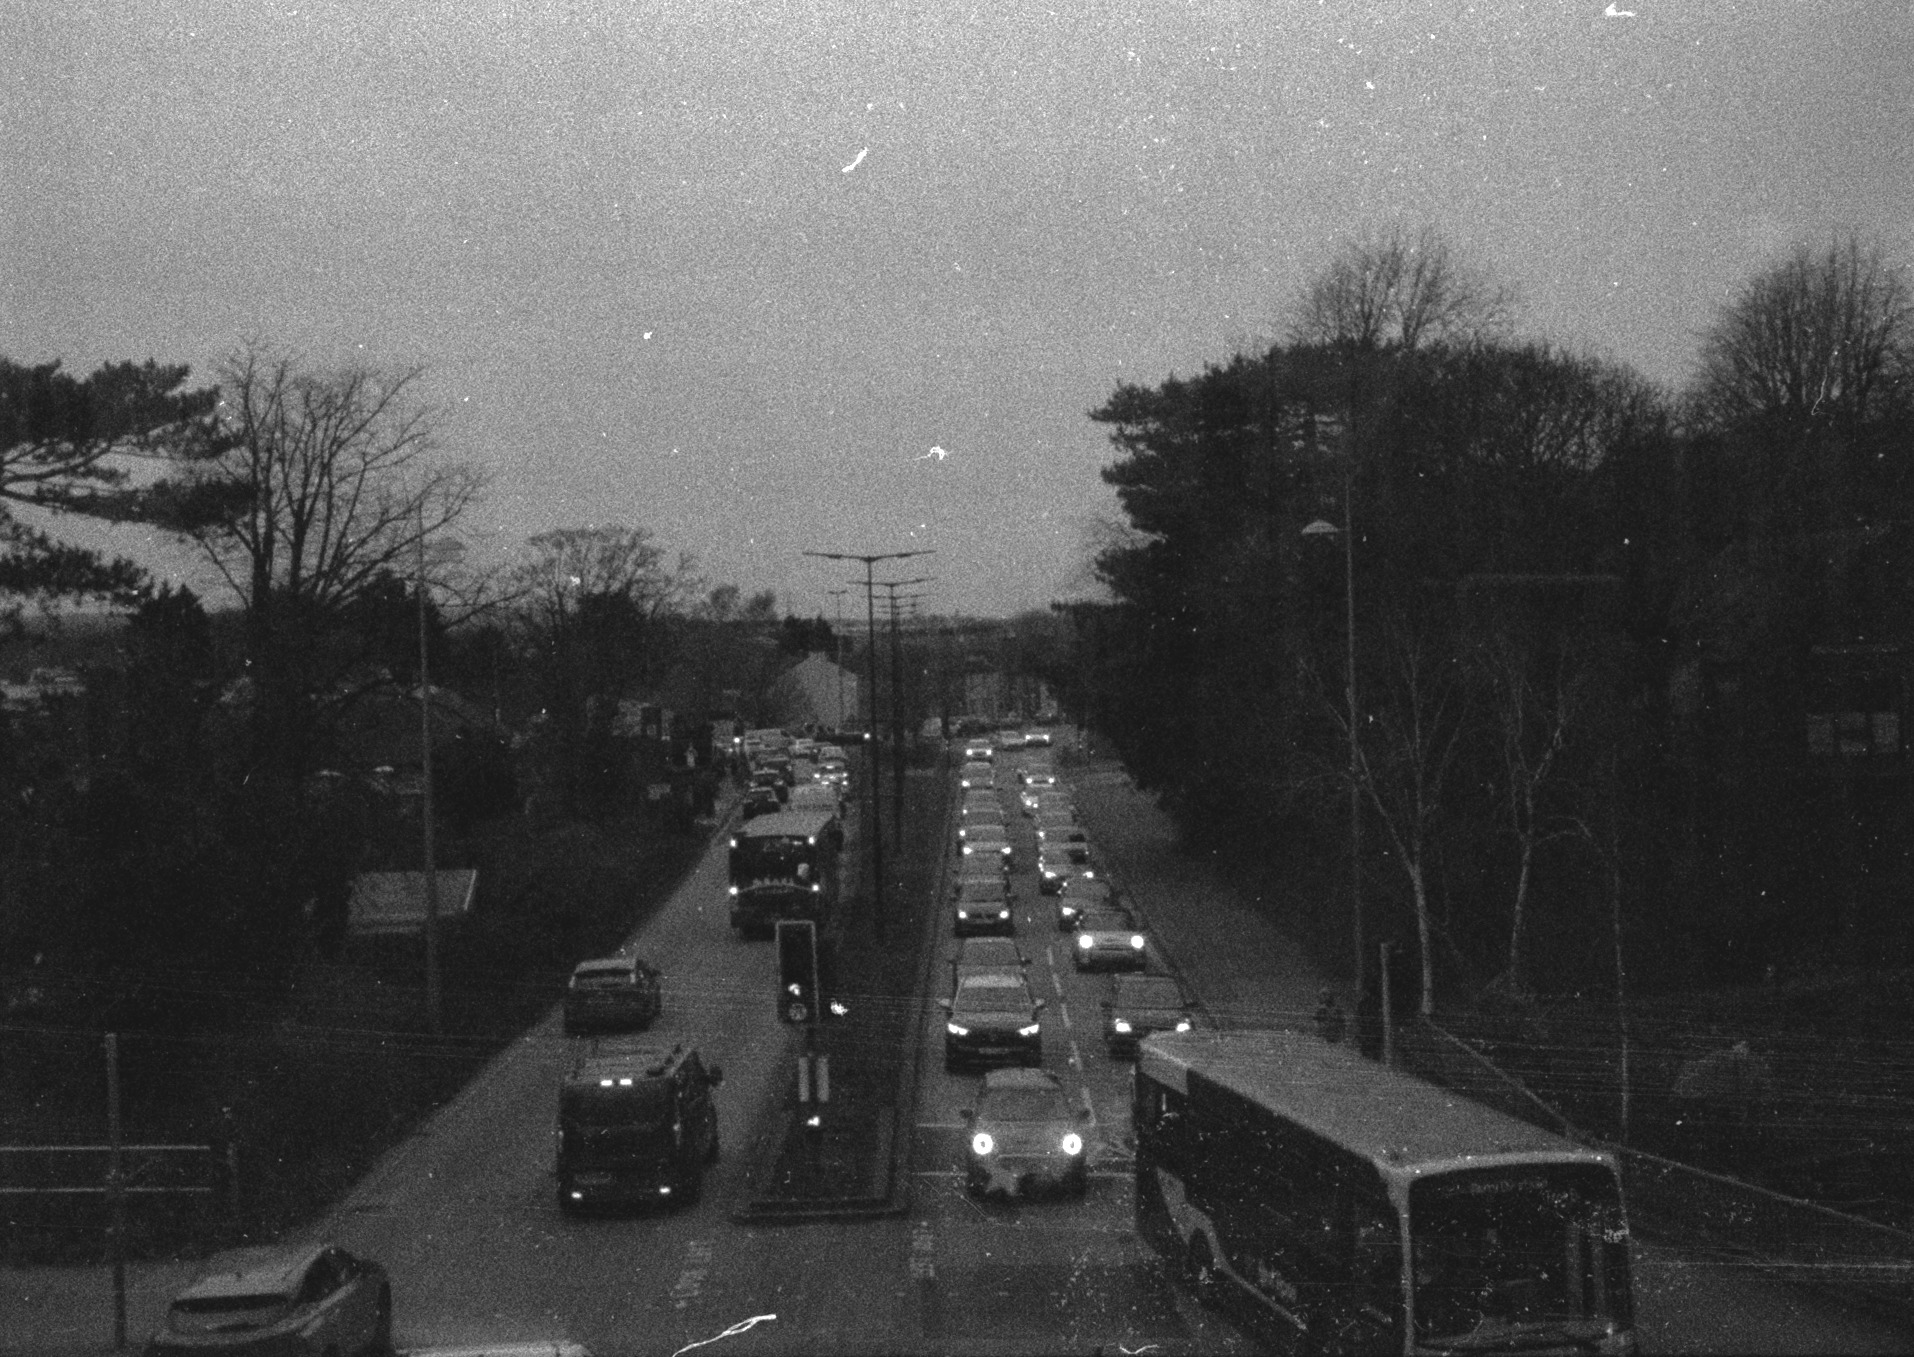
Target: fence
point(55, 1202)
point(1796, 1240)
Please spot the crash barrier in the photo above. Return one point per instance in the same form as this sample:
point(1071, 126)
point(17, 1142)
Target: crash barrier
point(1791, 1239)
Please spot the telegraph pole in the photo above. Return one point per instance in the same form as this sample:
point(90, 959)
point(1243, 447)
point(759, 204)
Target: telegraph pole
point(837, 651)
point(870, 622)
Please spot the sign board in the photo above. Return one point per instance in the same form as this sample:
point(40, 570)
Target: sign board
point(389, 904)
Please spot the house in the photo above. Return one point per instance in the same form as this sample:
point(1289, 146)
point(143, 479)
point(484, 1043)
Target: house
point(816, 692)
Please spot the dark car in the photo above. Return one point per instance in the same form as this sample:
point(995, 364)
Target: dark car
point(774, 780)
point(1141, 1004)
point(1081, 892)
point(982, 906)
point(636, 1125)
point(992, 1019)
point(613, 994)
point(761, 801)
point(1025, 1133)
point(294, 1299)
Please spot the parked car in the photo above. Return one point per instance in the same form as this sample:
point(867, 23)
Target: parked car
point(982, 906)
point(1037, 739)
point(992, 1019)
point(980, 748)
point(1109, 941)
point(760, 801)
point(1141, 1004)
point(612, 994)
point(1025, 1133)
point(295, 1299)
point(993, 818)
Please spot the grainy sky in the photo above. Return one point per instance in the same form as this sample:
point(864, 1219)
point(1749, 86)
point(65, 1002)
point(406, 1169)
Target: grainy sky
point(731, 272)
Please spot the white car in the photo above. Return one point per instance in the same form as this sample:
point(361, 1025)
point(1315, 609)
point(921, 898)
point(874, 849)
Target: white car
point(977, 775)
point(1110, 941)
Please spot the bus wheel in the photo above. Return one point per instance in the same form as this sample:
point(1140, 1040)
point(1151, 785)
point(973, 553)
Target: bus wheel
point(1199, 1269)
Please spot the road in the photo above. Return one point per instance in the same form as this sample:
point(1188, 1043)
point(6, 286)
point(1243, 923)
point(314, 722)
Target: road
point(464, 1216)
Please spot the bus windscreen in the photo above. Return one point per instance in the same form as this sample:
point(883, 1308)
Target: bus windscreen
point(1514, 1254)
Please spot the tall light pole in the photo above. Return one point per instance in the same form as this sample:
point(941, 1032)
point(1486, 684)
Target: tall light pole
point(870, 623)
point(837, 651)
point(1323, 528)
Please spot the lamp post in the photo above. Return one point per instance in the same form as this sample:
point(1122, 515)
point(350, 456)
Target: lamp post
point(897, 710)
point(1324, 528)
point(870, 644)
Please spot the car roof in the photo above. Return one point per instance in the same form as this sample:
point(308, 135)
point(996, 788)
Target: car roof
point(1016, 1077)
point(1106, 921)
point(258, 1270)
point(626, 1057)
point(980, 950)
point(991, 981)
point(1150, 984)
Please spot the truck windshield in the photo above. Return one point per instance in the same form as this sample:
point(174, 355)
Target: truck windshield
point(643, 1103)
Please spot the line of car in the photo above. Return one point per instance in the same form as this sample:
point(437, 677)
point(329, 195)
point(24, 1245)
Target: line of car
point(1025, 1132)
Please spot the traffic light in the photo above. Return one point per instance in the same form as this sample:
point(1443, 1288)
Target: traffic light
point(800, 995)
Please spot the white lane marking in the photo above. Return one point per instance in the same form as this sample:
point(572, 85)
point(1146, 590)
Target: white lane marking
point(923, 1251)
point(1064, 1009)
point(690, 1283)
point(1087, 1106)
point(1076, 1056)
point(940, 1125)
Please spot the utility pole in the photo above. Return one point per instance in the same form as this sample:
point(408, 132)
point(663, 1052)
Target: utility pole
point(870, 622)
point(897, 709)
point(837, 651)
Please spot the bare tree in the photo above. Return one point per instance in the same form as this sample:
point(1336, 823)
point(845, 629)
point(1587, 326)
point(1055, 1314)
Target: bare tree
point(1394, 290)
point(1407, 746)
point(329, 487)
point(1533, 715)
point(1823, 335)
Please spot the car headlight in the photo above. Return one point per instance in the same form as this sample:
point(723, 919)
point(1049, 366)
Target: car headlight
point(1122, 1024)
point(1183, 1024)
point(1088, 873)
point(1031, 1030)
point(967, 848)
point(1069, 911)
point(1072, 1143)
point(1136, 941)
point(955, 1030)
point(1003, 914)
point(1085, 942)
point(982, 1144)
point(962, 914)
point(1005, 850)
point(734, 890)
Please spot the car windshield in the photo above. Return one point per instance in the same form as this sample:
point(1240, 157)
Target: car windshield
point(1023, 1104)
point(603, 975)
point(992, 994)
point(1148, 991)
point(226, 1314)
point(1106, 923)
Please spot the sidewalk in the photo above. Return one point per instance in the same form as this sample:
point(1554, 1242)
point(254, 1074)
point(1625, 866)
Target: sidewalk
point(1241, 965)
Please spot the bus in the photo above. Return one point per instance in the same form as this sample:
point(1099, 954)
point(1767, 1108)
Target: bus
point(784, 866)
point(1339, 1206)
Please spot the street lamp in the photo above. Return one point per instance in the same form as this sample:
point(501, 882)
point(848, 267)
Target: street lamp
point(870, 623)
point(1324, 528)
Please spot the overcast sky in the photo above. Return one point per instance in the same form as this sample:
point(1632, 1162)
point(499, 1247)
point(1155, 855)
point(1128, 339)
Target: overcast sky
point(761, 277)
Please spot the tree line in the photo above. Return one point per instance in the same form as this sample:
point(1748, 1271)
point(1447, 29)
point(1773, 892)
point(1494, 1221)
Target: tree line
point(1590, 621)
point(208, 821)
